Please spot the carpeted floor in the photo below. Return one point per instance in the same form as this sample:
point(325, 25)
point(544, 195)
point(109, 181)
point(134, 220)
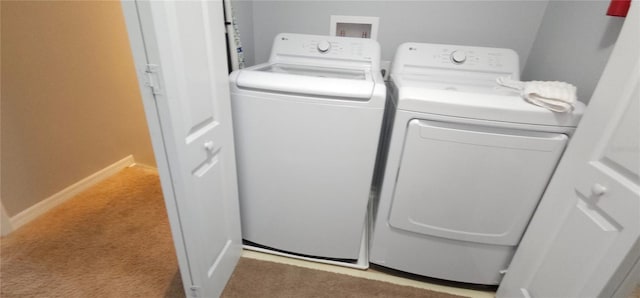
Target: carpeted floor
point(110, 241)
point(113, 240)
point(254, 278)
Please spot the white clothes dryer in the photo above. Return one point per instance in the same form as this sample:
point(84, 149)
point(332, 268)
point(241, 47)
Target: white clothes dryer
point(307, 127)
point(468, 162)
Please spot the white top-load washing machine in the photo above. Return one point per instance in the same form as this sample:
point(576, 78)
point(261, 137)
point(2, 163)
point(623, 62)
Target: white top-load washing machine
point(468, 162)
point(307, 126)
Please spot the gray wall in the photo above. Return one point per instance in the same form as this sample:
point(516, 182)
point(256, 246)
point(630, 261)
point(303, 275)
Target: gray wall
point(243, 10)
point(573, 44)
point(505, 24)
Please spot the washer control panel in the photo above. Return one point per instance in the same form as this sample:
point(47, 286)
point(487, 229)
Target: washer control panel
point(333, 48)
point(418, 57)
point(346, 49)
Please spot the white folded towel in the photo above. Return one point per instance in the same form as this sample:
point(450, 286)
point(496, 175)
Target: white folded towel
point(555, 96)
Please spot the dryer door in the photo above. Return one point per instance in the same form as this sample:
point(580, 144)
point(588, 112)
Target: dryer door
point(472, 183)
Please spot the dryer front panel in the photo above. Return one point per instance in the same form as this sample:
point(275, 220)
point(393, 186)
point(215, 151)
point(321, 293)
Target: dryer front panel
point(472, 183)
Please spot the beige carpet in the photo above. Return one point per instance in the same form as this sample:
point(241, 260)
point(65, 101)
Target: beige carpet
point(113, 240)
point(110, 241)
point(254, 278)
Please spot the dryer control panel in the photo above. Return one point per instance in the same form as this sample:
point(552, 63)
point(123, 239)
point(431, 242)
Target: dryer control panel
point(331, 49)
point(418, 58)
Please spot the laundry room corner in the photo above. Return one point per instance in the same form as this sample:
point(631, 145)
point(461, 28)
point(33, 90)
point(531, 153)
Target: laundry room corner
point(581, 61)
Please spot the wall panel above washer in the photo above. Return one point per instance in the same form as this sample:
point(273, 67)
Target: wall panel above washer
point(504, 24)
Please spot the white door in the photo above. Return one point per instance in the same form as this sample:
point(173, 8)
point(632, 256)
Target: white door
point(180, 56)
point(583, 239)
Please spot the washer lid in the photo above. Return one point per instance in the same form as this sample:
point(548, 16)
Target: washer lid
point(309, 80)
point(476, 99)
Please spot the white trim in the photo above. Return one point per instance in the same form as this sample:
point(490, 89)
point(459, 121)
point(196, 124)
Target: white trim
point(58, 198)
point(143, 166)
point(292, 256)
point(5, 222)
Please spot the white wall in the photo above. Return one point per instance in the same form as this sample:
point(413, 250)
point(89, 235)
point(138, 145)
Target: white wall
point(243, 10)
point(573, 44)
point(507, 24)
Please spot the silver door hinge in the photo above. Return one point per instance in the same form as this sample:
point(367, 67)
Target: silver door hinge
point(151, 71)
point(195, 291)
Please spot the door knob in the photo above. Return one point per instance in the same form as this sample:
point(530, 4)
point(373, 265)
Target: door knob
point(598, 190)
point(208, 145)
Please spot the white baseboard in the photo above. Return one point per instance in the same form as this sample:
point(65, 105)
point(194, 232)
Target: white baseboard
point(5, 221)
point(49, 203)
point(144, 166)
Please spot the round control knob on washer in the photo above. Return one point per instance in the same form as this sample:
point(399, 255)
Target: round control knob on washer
point(458, 57)
point(324, 46)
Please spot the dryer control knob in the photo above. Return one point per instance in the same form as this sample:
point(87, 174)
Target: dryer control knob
point(458, 57)
point(324, 46)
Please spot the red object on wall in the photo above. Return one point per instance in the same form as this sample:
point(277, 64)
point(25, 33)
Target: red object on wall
point(619, 8)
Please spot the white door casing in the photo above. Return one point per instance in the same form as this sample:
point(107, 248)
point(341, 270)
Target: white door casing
point(5, 222)
point(180, 57)
point(584, 238)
